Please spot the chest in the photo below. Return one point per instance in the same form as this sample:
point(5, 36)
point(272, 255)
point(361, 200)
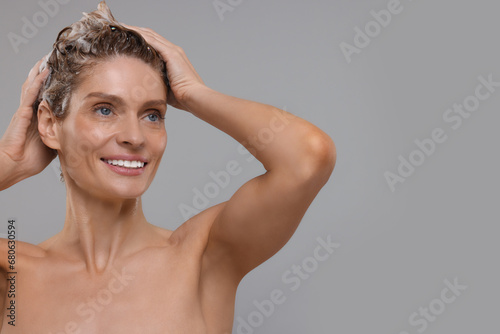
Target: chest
point(158, 294)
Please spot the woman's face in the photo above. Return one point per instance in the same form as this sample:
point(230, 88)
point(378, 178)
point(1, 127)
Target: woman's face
point(113, 137)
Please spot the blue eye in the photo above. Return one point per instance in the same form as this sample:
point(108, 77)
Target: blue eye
point(103, 111)
point(153, 117)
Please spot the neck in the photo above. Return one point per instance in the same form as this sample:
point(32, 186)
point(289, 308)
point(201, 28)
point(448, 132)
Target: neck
point(99, 231)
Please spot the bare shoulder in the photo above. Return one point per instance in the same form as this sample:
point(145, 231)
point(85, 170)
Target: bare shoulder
point(193, 238)
point(12, 249)
point(13, 254)
point(217, 268)
point(197, 228)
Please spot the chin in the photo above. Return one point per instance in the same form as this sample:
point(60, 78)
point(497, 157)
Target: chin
point(124, 191)
point(109, 189)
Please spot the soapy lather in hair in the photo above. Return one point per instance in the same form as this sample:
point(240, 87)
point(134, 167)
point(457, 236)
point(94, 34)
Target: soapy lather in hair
point(97, 36)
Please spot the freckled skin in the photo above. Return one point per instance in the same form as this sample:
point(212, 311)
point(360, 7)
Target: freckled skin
point(109, 270)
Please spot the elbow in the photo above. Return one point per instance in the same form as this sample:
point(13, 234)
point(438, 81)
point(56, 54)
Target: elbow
point(320, 158)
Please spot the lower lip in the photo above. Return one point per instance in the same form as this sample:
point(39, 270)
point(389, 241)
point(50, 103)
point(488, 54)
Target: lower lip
point(124, 170)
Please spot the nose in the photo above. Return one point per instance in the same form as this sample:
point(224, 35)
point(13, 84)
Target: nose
point(131, 134)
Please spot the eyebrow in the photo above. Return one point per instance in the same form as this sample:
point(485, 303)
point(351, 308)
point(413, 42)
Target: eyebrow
point(119, 101)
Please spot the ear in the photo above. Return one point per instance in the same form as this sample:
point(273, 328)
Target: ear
point(48, 126)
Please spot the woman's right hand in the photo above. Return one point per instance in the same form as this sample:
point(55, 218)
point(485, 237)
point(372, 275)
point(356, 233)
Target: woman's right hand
point(22, 151)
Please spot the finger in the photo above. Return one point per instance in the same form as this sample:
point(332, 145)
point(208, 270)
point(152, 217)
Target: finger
point(164, 47)
point(149, 34)
point(32, 91)
point(168, 48)
point(34, 71)
point(158, 41)
point(32, 77)
point(161, 44)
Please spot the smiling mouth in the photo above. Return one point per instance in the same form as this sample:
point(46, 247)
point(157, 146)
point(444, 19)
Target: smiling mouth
point(132, 164)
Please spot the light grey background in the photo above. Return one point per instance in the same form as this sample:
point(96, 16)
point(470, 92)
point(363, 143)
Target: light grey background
point(396, 248)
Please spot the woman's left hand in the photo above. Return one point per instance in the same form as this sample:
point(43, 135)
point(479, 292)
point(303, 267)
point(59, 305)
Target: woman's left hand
point(181, 73)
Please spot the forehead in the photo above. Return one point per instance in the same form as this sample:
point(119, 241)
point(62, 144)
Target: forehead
point(130, 78)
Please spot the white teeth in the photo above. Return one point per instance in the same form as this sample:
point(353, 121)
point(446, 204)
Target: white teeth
point(126, 163)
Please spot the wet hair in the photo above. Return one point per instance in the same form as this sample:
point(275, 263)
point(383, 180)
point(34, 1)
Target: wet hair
point(95, 38)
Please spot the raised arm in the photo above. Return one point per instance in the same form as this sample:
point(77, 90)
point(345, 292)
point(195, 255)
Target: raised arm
point(298, 157)
point(22, 153)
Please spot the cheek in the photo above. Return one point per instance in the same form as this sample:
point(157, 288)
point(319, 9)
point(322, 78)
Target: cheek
point(98, 135)
point(164, 142)
point(159, 143)
point(80, 144)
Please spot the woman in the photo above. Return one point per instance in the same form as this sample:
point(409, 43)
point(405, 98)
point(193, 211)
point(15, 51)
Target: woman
point(99, 100)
